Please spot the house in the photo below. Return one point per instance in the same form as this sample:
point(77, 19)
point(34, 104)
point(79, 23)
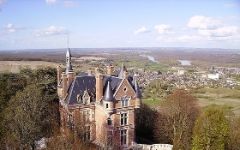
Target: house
point(100, 108)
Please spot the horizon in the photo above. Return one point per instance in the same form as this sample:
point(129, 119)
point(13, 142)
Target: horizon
point(127, 48)
point(48, 24)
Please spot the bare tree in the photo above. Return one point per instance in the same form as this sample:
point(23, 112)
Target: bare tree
point(176, 120)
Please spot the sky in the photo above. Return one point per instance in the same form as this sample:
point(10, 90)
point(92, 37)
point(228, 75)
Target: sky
point(46, 24)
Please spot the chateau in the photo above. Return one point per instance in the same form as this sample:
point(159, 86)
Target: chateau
point(99, 107)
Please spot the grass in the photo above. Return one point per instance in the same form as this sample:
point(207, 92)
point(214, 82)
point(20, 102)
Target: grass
point(219, 96)
point(152, 102)
point(230, 98)
point(145, 64)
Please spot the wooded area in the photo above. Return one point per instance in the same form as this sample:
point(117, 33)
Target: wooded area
point(29, 111)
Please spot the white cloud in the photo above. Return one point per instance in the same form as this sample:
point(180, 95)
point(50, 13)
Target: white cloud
point(224, 31)
point(70, 3)
point(141, 30)
point(188, 38)
point(51, 1)
point(52, 30)
point(203, 22)
point(163, 28)
point(10, 28)
point(232, 5)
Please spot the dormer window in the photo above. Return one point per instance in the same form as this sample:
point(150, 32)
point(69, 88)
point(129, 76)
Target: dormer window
point(86, 98)
point(79, 98)
point(125, 101)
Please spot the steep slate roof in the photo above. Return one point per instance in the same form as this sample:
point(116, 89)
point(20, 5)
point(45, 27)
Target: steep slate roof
point(68, 65)
point(79, 85)
point(108, 94)
point(86, 82)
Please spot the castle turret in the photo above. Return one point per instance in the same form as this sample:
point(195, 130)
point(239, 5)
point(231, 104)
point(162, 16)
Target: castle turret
point(108, 98)
point(68, 61)
point(99, 85)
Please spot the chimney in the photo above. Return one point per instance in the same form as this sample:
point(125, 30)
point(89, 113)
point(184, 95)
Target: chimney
point(99, 85)
point(110, 69)
point(58, 74)
point(64, 85)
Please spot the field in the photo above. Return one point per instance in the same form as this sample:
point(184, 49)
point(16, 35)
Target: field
point(219, 96)
point(207, 96)
point(16, 66)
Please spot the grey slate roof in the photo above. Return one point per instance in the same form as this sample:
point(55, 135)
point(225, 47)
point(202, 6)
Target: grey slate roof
point(85, 82)
point(78, 86)
point(108, 94)
point(68, 63)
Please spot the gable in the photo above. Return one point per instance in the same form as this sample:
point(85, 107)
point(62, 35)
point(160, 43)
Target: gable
point(124, 89)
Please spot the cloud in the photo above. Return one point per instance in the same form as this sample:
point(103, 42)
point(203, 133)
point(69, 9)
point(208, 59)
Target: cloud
point(203, 22)
point(232, 5)
point(141, 30)
point(163, 29)
point(212, 27)
point(70, 3)
point(51, 31)
point(11, 28)
point(50, 2)
point(188, 38)
point(224, 31)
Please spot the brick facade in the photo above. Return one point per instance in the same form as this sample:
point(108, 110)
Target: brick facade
point(100, 108)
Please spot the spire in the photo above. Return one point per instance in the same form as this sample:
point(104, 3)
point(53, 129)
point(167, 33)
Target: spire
point(122, 70)
point(108, 95)
point(68, 61)
point(136, 87)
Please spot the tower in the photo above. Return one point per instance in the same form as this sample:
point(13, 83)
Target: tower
point(108, 98)
point(68, 61)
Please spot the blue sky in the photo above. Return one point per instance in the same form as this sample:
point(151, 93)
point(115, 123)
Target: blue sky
point(27, 24)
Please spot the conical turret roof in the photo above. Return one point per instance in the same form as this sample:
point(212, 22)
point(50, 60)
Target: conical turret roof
point(108, 95)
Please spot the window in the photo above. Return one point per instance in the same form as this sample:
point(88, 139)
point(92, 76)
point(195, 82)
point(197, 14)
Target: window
point(125, 101)
point(87, 134)
point(109, 121)
point(123, 134)
point(86, 115)
point(106, 105)
point(123, 118)
point(70, 121)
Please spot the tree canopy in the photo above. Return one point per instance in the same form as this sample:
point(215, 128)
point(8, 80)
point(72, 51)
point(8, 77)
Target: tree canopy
point(211, 129)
